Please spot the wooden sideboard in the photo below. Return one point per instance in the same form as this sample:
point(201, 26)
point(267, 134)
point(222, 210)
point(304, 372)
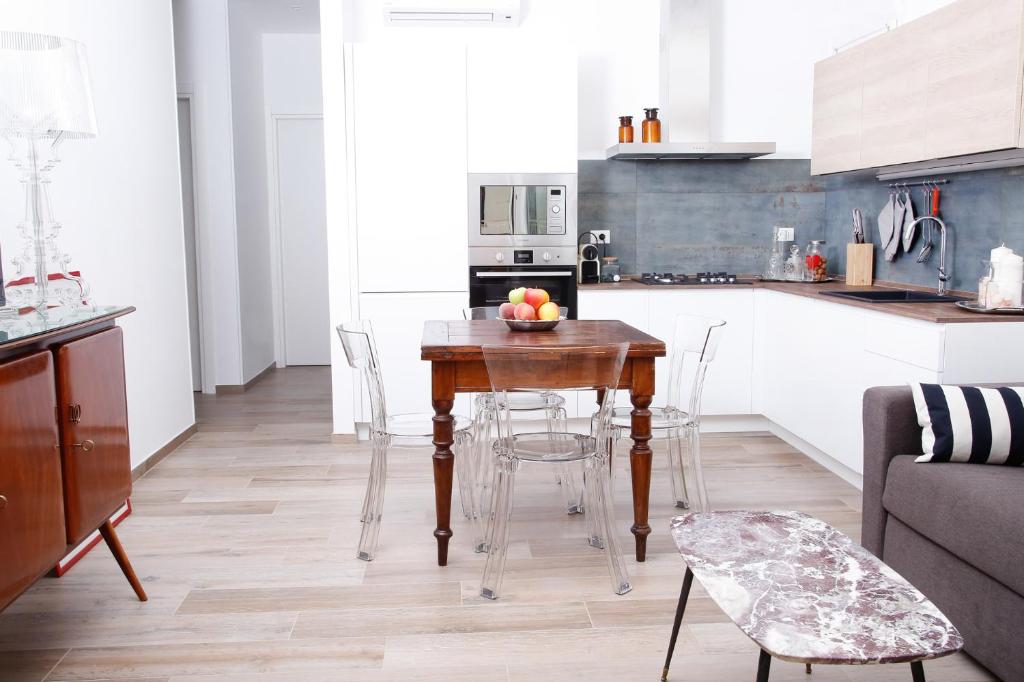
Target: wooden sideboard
point(65, 466)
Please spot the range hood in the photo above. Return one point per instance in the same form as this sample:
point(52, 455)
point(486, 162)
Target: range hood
point(685, 92)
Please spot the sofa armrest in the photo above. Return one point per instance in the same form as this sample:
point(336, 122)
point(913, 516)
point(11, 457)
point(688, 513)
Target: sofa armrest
point(890, 429)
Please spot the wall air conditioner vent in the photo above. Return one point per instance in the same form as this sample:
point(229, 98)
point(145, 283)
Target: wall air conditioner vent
point(452, 13)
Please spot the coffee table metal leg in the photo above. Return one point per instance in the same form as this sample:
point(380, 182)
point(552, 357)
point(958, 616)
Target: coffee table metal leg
point(917, 670)
point(764, 663)
point(680, 609)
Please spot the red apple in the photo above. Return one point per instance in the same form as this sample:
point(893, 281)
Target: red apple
point(549, 311)
point(536, 297)
point(525, 311)
point(507, 311)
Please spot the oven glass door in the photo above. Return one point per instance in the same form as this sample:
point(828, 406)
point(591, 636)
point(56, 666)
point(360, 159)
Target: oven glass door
point(489, 286)
point(521, 210)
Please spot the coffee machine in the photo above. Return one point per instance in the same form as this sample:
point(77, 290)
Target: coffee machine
point(588, 263)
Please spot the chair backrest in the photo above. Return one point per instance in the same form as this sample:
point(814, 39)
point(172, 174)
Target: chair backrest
point(694, 345)
point(537, 369)
point(484, 312)
point(361, 351)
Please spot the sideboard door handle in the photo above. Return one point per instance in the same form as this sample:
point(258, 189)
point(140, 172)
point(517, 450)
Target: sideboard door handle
point(3, 502)
point(86, 445)
point(75, 413)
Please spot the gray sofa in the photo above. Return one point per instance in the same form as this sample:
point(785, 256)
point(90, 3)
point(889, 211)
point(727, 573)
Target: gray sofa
point(955, 531)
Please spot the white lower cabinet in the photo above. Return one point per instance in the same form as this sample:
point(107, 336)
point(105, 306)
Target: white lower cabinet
point(398, 326)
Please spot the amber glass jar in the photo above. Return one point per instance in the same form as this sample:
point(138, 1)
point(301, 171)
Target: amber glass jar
point(650, 129)
point(625, 128)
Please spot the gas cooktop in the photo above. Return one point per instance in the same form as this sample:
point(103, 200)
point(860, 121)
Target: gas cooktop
point(669, 279)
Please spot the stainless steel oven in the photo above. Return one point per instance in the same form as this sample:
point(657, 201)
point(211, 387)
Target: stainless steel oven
point(489, 284)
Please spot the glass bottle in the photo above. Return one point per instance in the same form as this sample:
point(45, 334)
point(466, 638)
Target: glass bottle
point(794, 266)
point(650, 129)
point(625, 128)
point(988, 289)
point(817, 263)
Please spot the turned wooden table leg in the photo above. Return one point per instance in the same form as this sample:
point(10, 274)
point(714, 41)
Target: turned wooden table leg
point(641, 393)
point(443, 399)
point(114, 543)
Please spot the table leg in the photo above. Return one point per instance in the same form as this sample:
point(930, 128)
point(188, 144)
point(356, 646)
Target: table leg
point(764, 664)
point(917, 670)
point(442, 376)
point(641, 393)
point(680, 609)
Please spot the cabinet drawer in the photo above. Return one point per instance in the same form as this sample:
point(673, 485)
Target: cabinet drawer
point(914, 343)
point(31, 509)
point(94, 430)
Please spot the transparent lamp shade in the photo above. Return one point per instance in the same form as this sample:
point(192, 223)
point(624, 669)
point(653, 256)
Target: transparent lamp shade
point(45, 90)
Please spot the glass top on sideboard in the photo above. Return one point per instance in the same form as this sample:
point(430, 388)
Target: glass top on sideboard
point(17, 327)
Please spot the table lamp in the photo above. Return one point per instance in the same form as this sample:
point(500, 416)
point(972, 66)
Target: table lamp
point(45, 98)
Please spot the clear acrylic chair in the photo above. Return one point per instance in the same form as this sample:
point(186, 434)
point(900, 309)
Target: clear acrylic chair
point(394, 430)
point(549, 403)
point(694, 344)
point(517, 369)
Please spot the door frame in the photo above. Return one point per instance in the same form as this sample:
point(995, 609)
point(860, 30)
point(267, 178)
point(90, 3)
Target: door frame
point(204, 268)
point(276, 249)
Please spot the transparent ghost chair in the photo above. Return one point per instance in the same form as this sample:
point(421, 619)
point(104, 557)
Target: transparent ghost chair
point(694, 344)
point(394, 430)
point(516, 369)
point(522, 403)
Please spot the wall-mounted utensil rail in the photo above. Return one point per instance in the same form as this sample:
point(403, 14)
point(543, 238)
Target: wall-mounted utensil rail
point(921, 183)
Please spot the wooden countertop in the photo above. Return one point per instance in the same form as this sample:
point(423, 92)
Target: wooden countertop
point(940, 313)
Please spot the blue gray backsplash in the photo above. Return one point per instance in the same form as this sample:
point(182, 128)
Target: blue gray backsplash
point(688, 216)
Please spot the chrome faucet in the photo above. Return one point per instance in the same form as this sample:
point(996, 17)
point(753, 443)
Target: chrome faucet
point(926, 251)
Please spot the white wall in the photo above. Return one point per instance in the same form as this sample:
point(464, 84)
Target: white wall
point(119, 197)
point(204, 71)
point(291, 73)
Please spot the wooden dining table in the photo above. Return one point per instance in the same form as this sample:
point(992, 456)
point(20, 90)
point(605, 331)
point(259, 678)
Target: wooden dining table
point(454, 350)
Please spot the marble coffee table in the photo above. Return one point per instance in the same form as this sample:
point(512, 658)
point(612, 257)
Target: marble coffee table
point(806, 593)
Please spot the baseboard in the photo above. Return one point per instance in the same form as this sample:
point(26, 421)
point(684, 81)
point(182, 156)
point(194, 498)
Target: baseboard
point(820, 456)
point(229, 389)
point(172, 445)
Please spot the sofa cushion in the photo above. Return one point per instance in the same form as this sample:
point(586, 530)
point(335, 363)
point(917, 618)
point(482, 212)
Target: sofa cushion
point(973, 512)
point(970, 423)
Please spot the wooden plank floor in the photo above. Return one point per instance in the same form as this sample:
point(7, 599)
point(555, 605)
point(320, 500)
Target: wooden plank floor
point(245, 539)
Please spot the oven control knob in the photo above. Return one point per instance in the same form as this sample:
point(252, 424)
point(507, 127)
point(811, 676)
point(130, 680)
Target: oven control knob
point(546, 256)
point(556, 209)
point(499, 256)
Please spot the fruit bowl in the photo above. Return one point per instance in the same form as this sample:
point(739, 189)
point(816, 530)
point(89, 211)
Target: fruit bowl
point(533, 325)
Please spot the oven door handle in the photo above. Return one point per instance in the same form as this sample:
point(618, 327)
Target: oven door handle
point(552, 273)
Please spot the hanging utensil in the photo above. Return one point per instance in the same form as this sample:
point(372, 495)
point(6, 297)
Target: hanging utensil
point(931, 207)
point(886, 225)
point(909, 227)
point(892, 248)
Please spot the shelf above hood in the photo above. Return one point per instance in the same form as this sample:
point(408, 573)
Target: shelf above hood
point(722, 151)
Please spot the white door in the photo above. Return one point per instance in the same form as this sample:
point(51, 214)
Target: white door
point(188, 210)
point(303, 229)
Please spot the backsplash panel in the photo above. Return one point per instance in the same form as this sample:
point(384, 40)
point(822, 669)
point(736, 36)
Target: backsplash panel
point(686, 216)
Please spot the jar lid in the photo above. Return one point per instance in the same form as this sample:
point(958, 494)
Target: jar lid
point(817, 241)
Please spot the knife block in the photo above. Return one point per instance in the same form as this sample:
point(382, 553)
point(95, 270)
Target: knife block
point(860, 264)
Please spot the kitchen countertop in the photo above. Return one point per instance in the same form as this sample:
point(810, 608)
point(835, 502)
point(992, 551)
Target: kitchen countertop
point(942, 313)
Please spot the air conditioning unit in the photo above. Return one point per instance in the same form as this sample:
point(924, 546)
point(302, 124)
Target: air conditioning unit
point(452, 13)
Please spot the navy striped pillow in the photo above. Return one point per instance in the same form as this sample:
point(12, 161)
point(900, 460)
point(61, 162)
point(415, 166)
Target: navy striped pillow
point(970, 424)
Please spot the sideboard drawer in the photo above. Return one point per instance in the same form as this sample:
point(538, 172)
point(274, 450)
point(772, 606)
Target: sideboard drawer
point(31, 512)
point(94, 430)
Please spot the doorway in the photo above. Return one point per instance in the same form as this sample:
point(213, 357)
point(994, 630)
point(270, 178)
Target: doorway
point(188, 211)
point(304, 336)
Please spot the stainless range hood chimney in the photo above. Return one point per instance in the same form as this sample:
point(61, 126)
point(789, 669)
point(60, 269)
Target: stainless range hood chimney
point(685, 92)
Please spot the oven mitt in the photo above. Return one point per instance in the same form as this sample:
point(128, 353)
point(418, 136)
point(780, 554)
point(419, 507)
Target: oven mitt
point(892, 248)
point(909, 230)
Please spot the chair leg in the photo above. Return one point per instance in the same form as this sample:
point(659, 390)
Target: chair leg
point(114, 543)
point(675, 467)
point(917, 670)
point(484, 474)
point(567, 481)
point(698, 492)
point(684, 594)
point(603, 502)
point(373, 503)
point(465, 470)
point(498, 524)
point(592, 517)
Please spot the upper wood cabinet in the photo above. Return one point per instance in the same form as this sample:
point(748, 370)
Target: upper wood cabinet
point(946, 84)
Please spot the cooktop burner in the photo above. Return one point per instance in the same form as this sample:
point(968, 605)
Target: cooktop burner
point(669, 279)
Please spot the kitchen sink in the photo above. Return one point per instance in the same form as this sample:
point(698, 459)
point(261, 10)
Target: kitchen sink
point(894, 296)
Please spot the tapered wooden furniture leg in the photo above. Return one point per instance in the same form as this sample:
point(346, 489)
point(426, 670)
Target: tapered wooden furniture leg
point(443, 399)
point(641, 393)
point(917, 670)
point(680, 609)
point(764, 664)
point(808, 669)
point(110, 536)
